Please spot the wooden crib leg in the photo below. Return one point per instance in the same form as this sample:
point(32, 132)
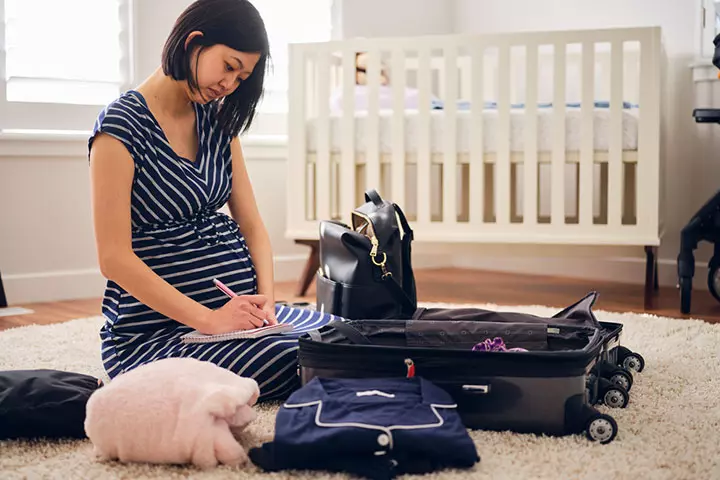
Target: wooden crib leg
point(311, 266)
point(651, 276)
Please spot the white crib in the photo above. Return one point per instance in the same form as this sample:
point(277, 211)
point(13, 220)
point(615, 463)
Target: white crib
point(534, 142)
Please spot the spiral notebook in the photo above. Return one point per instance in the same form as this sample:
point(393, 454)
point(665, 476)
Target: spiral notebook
point(197, 337)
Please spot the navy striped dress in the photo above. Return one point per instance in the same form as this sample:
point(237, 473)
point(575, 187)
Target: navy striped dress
point(179, 233)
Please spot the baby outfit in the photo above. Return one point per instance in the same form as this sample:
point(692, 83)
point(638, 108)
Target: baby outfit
point(373, 428)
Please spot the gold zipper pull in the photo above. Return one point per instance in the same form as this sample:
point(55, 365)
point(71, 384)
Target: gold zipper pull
point(375, 245)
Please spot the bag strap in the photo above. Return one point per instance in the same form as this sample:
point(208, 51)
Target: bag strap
point(399, 294)
point(350, 332)
point(418, 313)
point(404, 223)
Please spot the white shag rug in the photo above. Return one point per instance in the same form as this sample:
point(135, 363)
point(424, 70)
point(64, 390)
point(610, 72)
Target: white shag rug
point(670, 429)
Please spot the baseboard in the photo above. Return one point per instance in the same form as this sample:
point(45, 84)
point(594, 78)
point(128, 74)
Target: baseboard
point(616, 269)
point(288, 268)
point(89, 283)
point(53, 286)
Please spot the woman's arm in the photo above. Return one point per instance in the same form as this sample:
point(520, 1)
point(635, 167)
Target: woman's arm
point(111, 170)
point(244, 210)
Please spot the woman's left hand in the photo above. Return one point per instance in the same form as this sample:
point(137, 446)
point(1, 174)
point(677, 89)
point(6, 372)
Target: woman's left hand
point(269, 308)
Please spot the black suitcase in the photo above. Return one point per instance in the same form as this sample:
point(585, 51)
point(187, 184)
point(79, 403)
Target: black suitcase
point(544, 390)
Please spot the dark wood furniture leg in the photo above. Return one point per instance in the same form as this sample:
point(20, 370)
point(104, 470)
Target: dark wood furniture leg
point(651, 276)
point(311, 266)
point(3, 298)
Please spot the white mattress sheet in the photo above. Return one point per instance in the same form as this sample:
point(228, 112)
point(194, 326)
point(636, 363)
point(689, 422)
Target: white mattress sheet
point(518, 122)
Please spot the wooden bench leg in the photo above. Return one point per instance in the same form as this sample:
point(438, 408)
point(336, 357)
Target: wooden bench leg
point(311, 266)
point(651, 277)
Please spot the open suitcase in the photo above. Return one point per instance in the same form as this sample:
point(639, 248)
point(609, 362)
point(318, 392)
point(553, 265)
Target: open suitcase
point(611, 378)
point(548, 389)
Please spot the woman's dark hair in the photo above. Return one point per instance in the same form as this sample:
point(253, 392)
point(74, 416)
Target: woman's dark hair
point(236, 24)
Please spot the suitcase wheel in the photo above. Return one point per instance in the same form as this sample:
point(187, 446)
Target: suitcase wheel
point(632, 361)
point(601, 428)
point(615, 396)
point(621, 377)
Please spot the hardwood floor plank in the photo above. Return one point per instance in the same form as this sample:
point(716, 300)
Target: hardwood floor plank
point(454, 285)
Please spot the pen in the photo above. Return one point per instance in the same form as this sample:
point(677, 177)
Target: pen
point(226, 290)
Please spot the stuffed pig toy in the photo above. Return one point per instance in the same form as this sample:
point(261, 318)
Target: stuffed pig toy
point(175, 410)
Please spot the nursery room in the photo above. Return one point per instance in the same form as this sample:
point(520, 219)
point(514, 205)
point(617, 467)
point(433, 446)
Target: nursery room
point(359, 239)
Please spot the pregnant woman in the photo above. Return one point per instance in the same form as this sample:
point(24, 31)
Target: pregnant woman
point(164, 158)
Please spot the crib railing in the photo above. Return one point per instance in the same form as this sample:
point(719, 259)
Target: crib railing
point(473, 195)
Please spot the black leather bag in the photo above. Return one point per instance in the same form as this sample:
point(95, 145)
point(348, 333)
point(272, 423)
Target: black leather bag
point(366, 270)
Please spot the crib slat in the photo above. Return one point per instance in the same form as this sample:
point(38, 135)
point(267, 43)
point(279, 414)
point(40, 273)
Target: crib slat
point(398, 125)
point(477, 165)
point(502, 165)
point(297, 184)
point(530, 166)
point(322, 180)
point(423, 146)
point(648, 174)
point(372, 168)
point(615, 190)
point(450, 187)
point(347, 169)
point(557, 188)
point(586, 193)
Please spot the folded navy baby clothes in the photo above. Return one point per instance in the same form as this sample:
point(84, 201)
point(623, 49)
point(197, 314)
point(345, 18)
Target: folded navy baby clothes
point(373, 428)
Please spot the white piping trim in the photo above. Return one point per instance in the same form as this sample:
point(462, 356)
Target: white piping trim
point(370, 426)
point(375, 392)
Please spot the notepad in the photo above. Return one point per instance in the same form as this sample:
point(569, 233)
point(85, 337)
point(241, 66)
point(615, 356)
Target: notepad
point(197, 337)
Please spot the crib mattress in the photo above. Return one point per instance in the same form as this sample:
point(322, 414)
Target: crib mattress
point(518, 120)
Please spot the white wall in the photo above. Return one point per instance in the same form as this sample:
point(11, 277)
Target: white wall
point(392, 18)
point(688, 183)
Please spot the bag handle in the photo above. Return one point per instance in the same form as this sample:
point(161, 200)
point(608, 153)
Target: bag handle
point(373, 196)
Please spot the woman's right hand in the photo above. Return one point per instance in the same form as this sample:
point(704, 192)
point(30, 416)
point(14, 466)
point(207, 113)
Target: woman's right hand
point(243, 312)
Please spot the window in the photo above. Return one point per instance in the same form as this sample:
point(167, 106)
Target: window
point(290, 21)
point(61, 61)
point(710, 18)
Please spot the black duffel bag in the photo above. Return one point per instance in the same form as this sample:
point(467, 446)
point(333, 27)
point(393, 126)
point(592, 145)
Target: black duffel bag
point(366, 270)
point(44, 403)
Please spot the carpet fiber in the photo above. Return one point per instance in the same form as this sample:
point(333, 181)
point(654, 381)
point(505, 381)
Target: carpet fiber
point(670, 429)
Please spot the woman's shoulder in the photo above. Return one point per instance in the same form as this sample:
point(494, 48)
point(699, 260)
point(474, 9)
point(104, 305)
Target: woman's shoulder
point(122, 118)
point(128, 107)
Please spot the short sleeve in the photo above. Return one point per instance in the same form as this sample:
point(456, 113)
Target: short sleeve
point(119, 121)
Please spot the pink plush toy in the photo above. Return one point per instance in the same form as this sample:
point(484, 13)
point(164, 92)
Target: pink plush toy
point(176, 410)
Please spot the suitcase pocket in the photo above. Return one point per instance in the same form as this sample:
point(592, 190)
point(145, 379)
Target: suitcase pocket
point(465, 334)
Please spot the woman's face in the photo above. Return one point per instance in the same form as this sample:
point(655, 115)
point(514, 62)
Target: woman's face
point(220, 69)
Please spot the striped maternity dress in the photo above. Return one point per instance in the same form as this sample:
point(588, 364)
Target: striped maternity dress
point(178, 232)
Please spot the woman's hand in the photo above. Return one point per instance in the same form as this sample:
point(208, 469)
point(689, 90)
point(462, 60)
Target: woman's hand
point(269, 309)
point(243, 312)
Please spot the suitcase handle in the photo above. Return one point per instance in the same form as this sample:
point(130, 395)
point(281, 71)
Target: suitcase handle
point(476, 389)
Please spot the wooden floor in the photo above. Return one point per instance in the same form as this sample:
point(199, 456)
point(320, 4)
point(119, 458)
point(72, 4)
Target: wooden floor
point(454, 285)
